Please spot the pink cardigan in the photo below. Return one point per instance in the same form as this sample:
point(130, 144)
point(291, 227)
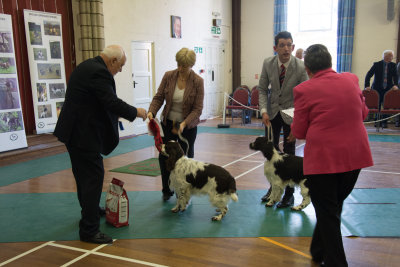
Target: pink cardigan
point(192, 98)
point(329, 113)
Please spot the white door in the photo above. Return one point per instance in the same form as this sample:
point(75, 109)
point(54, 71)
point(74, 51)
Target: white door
point(214, 80)
point(142, 80)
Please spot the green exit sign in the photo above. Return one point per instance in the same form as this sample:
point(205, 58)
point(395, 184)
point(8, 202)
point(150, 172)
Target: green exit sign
point(215, 30)
point(198, 50)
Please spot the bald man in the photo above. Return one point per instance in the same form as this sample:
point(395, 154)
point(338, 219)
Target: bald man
point(88, 125)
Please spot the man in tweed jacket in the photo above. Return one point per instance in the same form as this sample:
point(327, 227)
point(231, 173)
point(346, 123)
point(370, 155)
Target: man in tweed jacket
point(279, 75)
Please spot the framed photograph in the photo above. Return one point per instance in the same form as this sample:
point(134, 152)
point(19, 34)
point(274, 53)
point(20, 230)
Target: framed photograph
point(6, 45)
point(49, 71)
point(176, 30)
point(55, 50)
point(40, 54)
point(7, 65)
point(11, 121)
point(59, 106)
point(41, 90)
point(44, 111)
point(52, 28)
point(57, 90)
point(9, 98)
point(35, 33)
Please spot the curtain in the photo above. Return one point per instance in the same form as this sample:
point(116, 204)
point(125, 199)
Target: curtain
point(345, 34)
point(92, 27)
point(280, 16)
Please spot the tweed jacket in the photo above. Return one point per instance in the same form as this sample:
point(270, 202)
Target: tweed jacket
point(192, 98)
point(280, 97)
point(329, 110)
point(89, 116)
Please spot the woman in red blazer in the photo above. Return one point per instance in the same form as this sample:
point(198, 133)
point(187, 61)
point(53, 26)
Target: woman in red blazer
point(183, 92)
point(329, 113)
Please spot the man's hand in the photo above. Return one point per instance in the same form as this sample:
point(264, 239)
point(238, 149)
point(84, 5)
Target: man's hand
point(141, 112)
point(368, 88)
point(265, 119)
point(291, 138)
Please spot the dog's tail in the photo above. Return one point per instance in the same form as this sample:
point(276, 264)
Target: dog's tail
point(234, 197)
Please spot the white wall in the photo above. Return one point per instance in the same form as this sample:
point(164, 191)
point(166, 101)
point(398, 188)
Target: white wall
point(149, 20)
point(372, 35)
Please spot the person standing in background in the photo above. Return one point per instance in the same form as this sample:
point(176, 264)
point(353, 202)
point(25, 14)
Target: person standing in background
point(281, 73)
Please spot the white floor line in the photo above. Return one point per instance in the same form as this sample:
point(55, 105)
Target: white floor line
point(88, 252)
point(397, 173)
point(25, 253)
point(94, 252)
point(226, 165)
point(240, 175)
point(256, 161)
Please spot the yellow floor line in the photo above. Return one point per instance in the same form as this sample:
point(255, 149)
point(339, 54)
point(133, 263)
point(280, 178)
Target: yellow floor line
point(285, 247)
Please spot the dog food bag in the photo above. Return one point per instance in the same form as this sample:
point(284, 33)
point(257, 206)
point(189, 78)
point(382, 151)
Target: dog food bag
point(117, 204)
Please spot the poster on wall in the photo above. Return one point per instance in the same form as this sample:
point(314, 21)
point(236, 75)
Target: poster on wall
point(46, 65)
point(12, 130)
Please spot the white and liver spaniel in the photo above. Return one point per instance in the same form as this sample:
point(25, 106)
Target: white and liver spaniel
point(282, 169)
point(191, 177)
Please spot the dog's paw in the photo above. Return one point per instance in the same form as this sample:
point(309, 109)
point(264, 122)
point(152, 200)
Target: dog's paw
point(297, 208)
point(270, 204)
point(175, 209)
point(217, 217)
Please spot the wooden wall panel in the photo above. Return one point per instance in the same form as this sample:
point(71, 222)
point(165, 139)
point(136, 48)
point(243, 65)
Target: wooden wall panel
point(15, 8)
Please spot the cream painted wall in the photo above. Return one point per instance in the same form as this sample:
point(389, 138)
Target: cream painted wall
point(138, 20)
point(257, 38)
point(372, 35)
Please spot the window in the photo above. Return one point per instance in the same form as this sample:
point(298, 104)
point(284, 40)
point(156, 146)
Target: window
point(314, 22)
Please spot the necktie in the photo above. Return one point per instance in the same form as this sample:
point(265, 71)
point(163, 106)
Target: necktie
point(385, 76)
point(282, 75)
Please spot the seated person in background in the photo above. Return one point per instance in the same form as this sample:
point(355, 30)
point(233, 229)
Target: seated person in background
point(385, 78)
point(299, 53)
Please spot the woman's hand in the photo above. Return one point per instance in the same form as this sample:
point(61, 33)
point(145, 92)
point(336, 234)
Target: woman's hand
point(150, 116)
point(182, 126)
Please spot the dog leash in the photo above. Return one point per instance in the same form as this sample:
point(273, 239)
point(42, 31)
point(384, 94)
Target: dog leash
point(176, 127)
point(270, 135)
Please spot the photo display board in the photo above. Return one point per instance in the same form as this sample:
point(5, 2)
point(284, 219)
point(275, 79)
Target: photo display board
point(12, 130)
point(46, 65)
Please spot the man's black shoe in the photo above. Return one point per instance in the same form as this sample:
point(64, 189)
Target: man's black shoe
point(102, 211)
point(167, 195)
point(265, 198)
point(287, 201)
point(99, 238)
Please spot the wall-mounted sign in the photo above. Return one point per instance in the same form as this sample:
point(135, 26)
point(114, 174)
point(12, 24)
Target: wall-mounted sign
point(198, 50)
point(215, 30)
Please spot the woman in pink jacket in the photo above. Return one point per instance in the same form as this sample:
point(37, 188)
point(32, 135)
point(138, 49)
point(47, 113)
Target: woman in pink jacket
point(182, 91)
point(329, 113)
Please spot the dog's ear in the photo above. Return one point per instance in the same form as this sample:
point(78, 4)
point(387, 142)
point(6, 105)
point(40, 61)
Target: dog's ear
point(175, 152)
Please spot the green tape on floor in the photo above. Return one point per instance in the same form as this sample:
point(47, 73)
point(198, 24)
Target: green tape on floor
point(55, 216)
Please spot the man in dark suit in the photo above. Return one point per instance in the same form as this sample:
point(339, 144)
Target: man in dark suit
point(385, 77)
point(88, 125)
